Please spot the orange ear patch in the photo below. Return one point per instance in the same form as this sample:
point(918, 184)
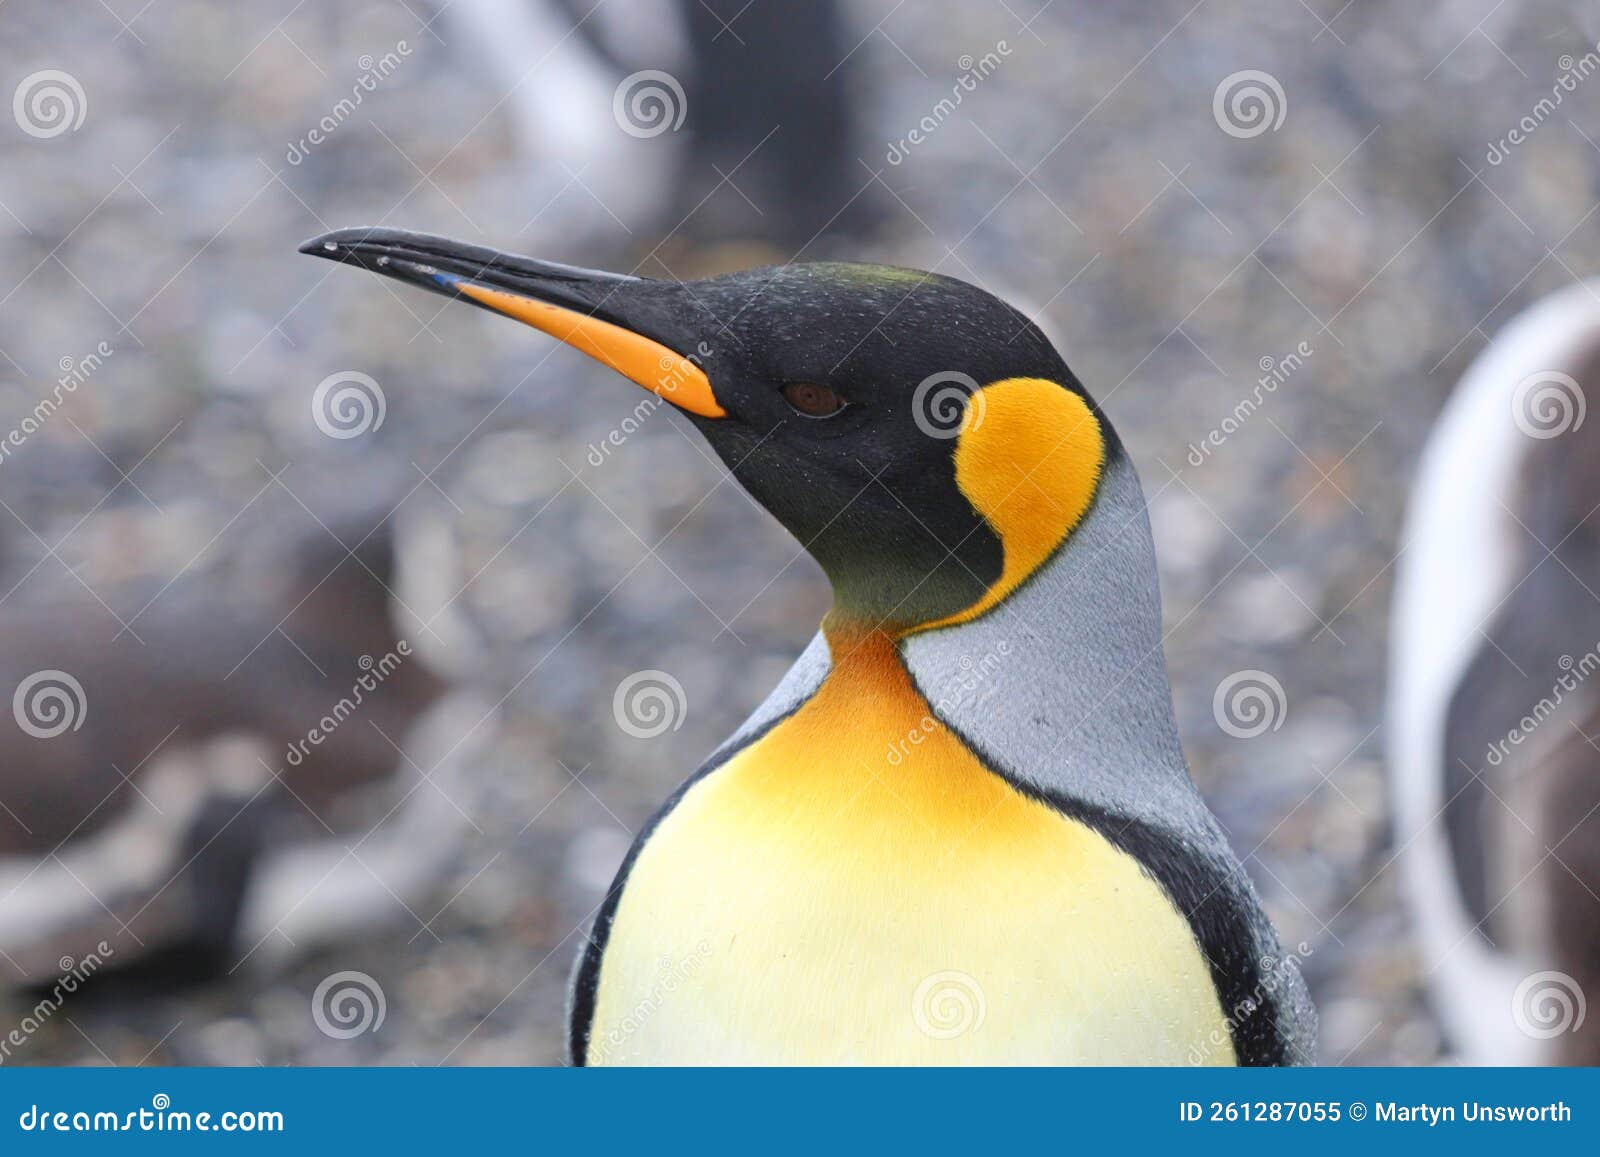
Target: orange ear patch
point(1028, 458)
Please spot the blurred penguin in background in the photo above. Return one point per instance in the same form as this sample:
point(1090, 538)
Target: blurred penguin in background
point(724, 130)
point(1494, 708)
point(198, 789)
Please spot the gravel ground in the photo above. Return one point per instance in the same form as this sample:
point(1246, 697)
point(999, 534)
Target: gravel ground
point(1086, 176)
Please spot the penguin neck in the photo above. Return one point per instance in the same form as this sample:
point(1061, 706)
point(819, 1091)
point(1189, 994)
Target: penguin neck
point(866, 661)
point(1083, 630)
point(860, 649)
point(1064, 680)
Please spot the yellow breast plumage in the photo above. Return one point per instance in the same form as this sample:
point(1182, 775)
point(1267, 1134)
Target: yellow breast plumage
point(812, 902)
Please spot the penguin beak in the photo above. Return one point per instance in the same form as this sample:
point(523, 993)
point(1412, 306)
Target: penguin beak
point(588, 309)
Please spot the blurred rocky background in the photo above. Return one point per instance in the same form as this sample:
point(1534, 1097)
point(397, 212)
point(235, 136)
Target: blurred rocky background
point(1195, 199)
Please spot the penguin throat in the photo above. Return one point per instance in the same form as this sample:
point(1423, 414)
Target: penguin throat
point(860, 647)
point(860, 640)
point(869, 688)
point(868, 728)
point(871, 603)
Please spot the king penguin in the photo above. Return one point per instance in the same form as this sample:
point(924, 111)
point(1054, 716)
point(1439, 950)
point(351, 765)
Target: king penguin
point(1494, 695)
point(961, 829)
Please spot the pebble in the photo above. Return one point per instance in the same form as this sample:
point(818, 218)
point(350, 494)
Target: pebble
point(1164, 296)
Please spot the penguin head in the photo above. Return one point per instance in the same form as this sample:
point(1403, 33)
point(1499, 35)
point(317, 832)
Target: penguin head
point(919, 437)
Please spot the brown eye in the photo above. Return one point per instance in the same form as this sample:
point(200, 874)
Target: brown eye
point(812, 400)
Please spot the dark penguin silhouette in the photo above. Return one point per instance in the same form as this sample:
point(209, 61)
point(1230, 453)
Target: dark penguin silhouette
point(747, 127)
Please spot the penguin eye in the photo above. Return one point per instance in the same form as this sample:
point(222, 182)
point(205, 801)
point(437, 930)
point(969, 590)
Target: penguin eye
point(813, 400)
